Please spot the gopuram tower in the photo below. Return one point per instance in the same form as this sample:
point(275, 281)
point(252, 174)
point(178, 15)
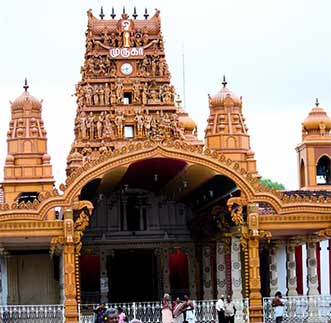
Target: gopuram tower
point(125, 93)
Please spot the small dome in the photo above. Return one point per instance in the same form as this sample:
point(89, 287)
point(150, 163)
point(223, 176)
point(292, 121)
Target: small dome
point(75, 156)
point(10, 159)
point(46, 157)
point(26, 100)
point(186, 123)
point(316, 119)
point(222, 96)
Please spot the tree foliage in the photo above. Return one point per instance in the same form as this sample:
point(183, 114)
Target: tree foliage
point(273, 185)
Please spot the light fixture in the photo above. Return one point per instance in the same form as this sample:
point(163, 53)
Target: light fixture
point(156, 177)
point(211, 193)
point(184, 184)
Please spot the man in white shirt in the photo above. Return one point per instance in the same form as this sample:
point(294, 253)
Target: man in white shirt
point(220, 309)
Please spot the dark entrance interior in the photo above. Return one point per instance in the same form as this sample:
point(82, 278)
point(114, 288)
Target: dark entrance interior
point(133, 276)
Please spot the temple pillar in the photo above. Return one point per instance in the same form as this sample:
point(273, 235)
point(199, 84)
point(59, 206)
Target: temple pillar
point(70, 302)
point(291, 269)
point(236, 268)
point(312, 279)
point(273, 268)
point(253, 234)
point(165, 270)
point(61, 277)
point(220, 269)
point(206, 263)
point(104, 287)
point(255, 297)
point(3, 278)
point(191, 271)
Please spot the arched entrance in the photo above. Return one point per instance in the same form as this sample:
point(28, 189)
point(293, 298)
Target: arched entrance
point(144, 238)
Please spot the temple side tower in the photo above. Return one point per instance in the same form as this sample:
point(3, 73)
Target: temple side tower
point(314, 151)
point(125, 93)
point(226, 131)
point(27, 170)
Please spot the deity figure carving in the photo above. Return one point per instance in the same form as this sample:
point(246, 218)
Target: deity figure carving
point(147, 124)
point(119, 91)
point(107, 127)
point(82, 122)
point(107, 92)
point(100, 121)
point(136, 92)
point(101, 94)
point(90, 126)
point(144, 94)
point(139, 118)
point(119, 124)
point(138, 38)
point(102, 148)
point(145, 37)
point(153, 67)
point(88, 94)
point(112, 40)
point(95, 95)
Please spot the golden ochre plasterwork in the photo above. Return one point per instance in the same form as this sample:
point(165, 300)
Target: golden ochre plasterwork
point(248, 184)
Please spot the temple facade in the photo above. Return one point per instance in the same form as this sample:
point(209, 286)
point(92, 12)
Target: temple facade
point(147, 207)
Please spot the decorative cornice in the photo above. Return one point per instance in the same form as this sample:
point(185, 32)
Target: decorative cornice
point(247, 183)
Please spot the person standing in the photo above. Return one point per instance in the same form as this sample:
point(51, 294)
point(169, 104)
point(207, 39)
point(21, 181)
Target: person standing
point(121, 315)
point(178, 311)
point(229, 310)
point(278, 305)
point(220, 309)
point(166, 309)
point(99, 313)
point(189, 310)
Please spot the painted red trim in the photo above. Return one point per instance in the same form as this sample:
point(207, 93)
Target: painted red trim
point(228, 274)
point(299, 269)
point(318, 258)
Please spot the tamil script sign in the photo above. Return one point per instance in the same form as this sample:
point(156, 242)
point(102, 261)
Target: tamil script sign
point(126, 52)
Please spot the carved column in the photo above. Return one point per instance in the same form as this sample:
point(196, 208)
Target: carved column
point(206, 262)
point(191, 271)
point(61, 277)
point(104, 289)
point(273, 268)
point(236, 268)
point(166, 270)
point(70, 303)
point(312, 278)
point(220, 269)
point(255, 297)
point(253, 235)
point(291, 269)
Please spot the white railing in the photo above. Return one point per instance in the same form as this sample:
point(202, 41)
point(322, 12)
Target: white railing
point(150, 312)
point(31, 313)
point(301, 309)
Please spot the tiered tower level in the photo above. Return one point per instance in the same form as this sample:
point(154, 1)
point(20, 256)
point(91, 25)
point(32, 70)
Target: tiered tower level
point(125, 92)
point(226, 131)
point(27, 171)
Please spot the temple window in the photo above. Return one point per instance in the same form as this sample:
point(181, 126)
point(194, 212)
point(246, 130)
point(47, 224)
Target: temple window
point(323, 171)
point(27, 197)
point(302, 174)
point(127, 98)
point(128, 132)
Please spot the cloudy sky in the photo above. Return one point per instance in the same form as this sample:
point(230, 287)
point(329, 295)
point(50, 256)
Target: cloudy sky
point(276, 54)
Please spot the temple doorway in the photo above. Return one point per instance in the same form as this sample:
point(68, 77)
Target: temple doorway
point(133, 276)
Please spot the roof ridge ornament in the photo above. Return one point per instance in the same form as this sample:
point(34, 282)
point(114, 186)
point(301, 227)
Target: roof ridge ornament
point(134, 13)
point(146, 15)
point(25, 86)
point(113, 14)
point(101, 13)
point(224, 81)
point(316, 102)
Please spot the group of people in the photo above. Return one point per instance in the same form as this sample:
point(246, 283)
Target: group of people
point(178, 312)
point(104, 314)
point(225, 309)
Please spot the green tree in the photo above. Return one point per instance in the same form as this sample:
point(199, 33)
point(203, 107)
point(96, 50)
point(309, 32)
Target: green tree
point(273, 185)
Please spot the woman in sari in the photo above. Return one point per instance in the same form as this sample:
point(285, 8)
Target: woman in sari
point(166, 309)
